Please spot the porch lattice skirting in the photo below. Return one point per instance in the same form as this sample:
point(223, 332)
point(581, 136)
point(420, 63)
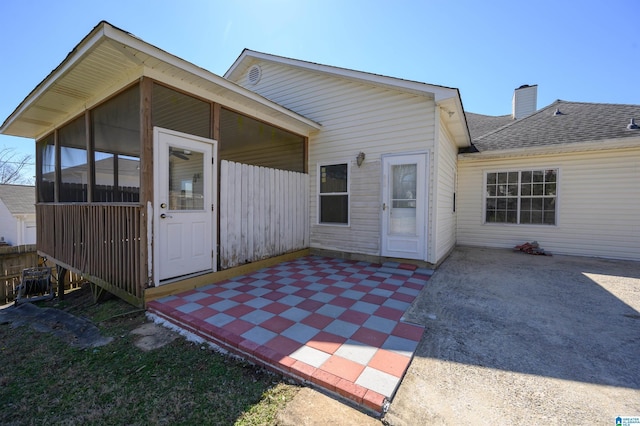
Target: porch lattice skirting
point(333, 323)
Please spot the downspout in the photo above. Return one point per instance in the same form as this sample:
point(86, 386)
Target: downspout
point(433, 195)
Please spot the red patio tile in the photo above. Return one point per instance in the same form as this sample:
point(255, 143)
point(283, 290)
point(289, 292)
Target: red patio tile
point(407, 267)
point(238, 326)
point(408, 331)
point(374, 298)
point(354, 317)
point(239, 310)
point(370, 337)
point(277, 324)
point(389, 313)
point(414, 286)
point(305, 293)
point(276, 308)
point(204, 313)
point(351, 391)
point(390, 362)
point(325, 379)
point(309, 305)
point(274, 295)
point(248, 346)
point(243, 297)
point(334, 290)
point(373, 400)
point(210, 300)
point(303, 370)
point(284, 345)
point(343, 368)
point(343, 302)
point(402, 297)
point(326, 342)
point(316, 320)
point(326, 281)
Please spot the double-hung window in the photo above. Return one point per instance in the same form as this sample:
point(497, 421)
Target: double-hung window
point(521, 197)
point(333, 190)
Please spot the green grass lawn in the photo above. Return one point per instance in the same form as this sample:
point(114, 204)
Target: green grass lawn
point(43, 380)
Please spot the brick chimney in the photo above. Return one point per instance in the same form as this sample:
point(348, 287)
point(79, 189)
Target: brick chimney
point(525, 101)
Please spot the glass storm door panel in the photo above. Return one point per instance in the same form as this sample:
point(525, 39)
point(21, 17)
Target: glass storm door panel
point(404, 206)
point(183, 204)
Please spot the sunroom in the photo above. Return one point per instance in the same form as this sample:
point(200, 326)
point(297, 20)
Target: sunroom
point(151, 172)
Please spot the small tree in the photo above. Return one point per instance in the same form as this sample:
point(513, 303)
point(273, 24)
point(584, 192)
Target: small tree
point(12, 167)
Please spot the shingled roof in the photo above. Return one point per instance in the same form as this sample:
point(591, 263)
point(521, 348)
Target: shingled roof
point(19, 199)
point(575, 122)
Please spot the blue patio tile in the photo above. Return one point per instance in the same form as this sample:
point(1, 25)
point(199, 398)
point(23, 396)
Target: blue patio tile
point(259, 335)
point(259, 291)
point(189, 307)
point(295, 314)
point(258, 302)
point(323, 297)
point(206, 287)
point(409, 291)
point(396, 304)
point(400, 345)
point(380, 324)
point(194, 297)
point(336, 277)
point(260, 275)
point(352, 294)
point(257, 316)
point(316, 287)
point(331, 311)
point(390, 264)
point(260, 283)
point(291, 300)
point(367, 308)
point(223, 305)
point(343, 284)
point(228, 294)
point(381, 292)
point(360, 276)
point(342, 328)
point(369, 283)
point(220, 320)
point(312, 278)
point(288, 289)
point(403, 272)
point(300, 332)
point(424, 271)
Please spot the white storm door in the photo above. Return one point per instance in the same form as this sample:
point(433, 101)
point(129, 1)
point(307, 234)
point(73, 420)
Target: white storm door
point(184, 194)
point(404, 206)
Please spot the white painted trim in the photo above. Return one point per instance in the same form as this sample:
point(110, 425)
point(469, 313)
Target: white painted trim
point(349, 179)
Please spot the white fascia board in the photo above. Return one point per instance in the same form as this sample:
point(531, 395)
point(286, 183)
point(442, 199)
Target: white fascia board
point(439, 93)
point(177, 62)
point(601, 145)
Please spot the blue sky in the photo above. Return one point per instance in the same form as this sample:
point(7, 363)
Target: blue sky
point(578, 51)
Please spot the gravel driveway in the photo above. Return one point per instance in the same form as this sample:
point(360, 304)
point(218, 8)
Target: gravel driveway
point(513, 338)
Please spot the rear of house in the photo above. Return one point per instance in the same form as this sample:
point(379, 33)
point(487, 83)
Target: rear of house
point(567, 176)
point(382, 169)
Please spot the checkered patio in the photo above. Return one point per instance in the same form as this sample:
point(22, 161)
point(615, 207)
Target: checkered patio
point(334, 323)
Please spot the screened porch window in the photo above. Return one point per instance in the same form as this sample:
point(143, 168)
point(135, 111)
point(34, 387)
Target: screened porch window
point(333, 194)
point(47, 176)
point(521, 197)
point(74, 170)
point(116, 139)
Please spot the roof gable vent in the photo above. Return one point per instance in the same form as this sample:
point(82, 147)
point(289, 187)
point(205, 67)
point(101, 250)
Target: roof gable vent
point(254, 75)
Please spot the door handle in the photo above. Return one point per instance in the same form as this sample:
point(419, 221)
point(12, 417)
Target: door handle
point(384, 206)
point(164, 216)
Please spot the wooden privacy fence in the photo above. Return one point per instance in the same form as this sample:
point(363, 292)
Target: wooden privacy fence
point(263, 213)
point(103, 241)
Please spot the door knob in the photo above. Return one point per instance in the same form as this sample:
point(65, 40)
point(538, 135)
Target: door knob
point(164, 216)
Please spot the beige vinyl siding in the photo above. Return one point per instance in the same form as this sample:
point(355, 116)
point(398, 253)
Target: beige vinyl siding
point(597, 205)
point(354, 117)
point(445, 222)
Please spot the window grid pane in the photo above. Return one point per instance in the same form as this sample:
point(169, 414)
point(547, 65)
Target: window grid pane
point(526, 197)
point(334, 197)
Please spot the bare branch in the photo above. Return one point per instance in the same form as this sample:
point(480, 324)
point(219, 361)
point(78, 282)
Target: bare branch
point(12, 166)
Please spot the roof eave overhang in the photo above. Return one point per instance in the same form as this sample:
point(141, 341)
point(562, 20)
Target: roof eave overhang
point(17, 124)
point(599, 145)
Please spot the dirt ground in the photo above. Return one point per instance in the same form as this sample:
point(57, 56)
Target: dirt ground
point(519, 339)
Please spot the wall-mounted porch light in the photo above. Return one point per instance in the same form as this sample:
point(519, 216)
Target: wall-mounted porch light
point(360, 159)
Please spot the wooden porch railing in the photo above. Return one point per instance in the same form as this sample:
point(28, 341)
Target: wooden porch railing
point(106, 243)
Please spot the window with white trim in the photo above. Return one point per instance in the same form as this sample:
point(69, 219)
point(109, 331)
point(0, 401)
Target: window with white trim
point(333, 194)
point(526, 197)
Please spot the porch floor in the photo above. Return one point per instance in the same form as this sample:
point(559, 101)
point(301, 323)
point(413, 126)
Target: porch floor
point(334, 323)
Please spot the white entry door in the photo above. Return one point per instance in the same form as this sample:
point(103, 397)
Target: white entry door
point(404, 206)
point(184, 196)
